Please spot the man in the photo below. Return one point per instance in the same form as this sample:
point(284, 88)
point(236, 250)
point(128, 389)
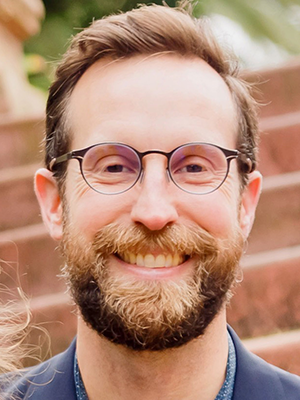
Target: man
point(151, 188)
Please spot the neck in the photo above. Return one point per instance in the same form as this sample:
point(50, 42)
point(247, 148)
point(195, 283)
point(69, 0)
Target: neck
point(194, 371)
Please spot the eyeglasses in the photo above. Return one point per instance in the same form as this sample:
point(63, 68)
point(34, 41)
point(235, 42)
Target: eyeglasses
point(113, 168)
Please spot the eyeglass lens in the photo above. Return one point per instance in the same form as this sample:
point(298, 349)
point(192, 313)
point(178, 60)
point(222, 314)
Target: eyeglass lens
point(111, 168)
point(115, 168)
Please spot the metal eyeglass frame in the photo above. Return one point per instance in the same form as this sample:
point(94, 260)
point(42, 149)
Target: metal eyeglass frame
point(79, 154)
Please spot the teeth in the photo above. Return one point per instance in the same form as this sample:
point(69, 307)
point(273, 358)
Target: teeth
point(160, 261)
point(140, 260)
point(150, 261)
point(132, 258)
point(176, 260)
point(169, 260)
point(126, 258)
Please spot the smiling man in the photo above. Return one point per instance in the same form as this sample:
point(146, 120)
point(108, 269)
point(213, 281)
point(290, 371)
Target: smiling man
point(151, 189)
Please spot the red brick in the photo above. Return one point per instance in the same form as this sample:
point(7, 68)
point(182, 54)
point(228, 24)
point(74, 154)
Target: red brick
point(278, 89)
point(20, 141)
point(268, 299)
point(29, 259)
point(277, 222)
point(282, 350)
point(18, 203)
point(280, 144)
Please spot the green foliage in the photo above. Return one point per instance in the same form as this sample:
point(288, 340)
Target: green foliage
point(269, 19)
point(261, 19)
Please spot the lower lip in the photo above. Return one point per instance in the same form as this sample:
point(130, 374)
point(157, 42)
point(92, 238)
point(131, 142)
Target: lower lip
point(177, 272)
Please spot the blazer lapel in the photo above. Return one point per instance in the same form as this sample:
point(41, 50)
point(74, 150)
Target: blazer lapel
point(53, 379)
point(255, 379)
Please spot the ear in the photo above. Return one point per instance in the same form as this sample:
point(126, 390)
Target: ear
point(250, 197)
point(50, 202)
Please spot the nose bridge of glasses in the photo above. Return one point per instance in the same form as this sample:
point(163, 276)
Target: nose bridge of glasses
point(153, 164)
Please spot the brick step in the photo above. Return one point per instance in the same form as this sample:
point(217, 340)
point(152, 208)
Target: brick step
point(280, 141)
point(278, 89)
point(18, 202)
point(28, 257)
point(280, 147)
point(277, 222)
point(277, 225)
point(280, 144)
point(20, 140)
point(277, 219)
point(281, 349)
point(54, 326)
point(268, 299)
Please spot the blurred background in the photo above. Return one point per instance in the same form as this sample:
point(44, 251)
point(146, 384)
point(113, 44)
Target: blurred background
point(263, 33)
point(34, 34)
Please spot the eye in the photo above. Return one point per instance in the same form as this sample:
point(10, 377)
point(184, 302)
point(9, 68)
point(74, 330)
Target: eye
point(192, 168)
point(117, 168)
point(191, 165)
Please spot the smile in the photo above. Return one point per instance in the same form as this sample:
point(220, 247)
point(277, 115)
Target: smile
point(151, 261)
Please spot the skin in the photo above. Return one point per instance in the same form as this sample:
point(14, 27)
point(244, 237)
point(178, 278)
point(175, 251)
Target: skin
point(157, 102)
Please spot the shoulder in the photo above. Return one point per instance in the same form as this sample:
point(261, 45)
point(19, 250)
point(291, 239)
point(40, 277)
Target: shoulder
point(52, 379)
point(259, 380)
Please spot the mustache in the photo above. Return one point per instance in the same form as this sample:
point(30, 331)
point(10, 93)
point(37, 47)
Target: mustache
point(189, 240)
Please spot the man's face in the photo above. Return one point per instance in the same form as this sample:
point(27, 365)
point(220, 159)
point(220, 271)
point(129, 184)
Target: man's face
point(157, 102)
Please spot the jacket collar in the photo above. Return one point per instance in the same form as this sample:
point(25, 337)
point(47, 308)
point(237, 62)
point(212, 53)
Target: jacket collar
point(255, 379)
point(54, 379)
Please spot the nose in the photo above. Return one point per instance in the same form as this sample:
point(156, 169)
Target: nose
point(155, 206)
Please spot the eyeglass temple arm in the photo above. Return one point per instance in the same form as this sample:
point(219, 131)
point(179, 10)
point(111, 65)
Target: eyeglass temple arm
point(60, 159)
point(249, 165)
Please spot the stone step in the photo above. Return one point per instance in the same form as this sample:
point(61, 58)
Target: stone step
point(30, 253)
point(277, 222)
point(280, 148)
point(278, 89)
point(280, 144)
point(281, 349)
point(277, 226)
point(28, 258)
point(20, 140)
point(268, 299)
point(18, 202)
point(54, 327)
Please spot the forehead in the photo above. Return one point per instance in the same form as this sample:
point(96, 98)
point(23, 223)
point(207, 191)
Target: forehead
point(159, 101)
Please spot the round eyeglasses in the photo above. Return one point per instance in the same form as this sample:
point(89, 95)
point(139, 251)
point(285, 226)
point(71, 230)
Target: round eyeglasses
point(113, 168)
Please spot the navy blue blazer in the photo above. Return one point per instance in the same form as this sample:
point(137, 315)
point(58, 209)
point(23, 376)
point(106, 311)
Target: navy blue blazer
point(255, 379)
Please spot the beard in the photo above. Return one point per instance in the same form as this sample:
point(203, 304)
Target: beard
point(150, 314)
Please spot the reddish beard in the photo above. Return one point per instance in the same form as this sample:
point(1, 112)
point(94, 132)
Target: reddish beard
point(146, 314)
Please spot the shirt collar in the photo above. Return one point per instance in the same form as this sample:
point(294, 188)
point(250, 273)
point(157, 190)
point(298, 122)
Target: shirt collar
point(225, 392)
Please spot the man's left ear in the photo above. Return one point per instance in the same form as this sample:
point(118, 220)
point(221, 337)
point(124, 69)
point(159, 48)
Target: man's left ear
point(250, 197)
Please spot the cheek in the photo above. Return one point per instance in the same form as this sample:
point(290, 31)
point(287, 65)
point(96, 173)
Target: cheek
point(216, 212)
point(92, 211)
point(87, 210)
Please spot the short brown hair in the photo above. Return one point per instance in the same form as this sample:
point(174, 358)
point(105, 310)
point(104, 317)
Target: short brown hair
point(145, 30)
